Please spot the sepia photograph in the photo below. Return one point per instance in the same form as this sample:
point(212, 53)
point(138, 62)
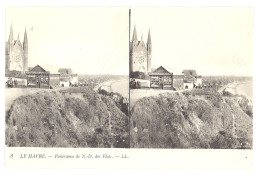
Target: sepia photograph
point(191, 77)
point(66, 75)
point(109, 86)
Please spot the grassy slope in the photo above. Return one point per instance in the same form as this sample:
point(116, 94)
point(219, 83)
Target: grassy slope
point(194, 119)
point(78, 118)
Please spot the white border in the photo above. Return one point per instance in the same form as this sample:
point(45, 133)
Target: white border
point(128, 3)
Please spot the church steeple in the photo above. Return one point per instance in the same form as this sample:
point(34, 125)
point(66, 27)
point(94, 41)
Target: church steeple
point(134, 35)
point(25, 42)
point(11, 36)
point(9, 50)
point(25, 48)
point(149, 51)
point(149, 41)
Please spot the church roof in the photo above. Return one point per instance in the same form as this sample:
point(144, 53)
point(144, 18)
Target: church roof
point(18, 43)
point(139, 44)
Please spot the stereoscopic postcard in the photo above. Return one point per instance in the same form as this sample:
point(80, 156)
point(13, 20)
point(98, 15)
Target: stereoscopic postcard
point(129, 87)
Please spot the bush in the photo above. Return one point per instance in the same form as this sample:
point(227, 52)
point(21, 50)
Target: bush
point(227, 93)
point(137, 75)
point(224, 140)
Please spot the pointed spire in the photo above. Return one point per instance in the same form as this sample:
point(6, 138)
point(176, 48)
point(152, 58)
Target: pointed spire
point(25, 48)
point(11, 37)
point(25, 38)
point(149, 41)
point(134, 35)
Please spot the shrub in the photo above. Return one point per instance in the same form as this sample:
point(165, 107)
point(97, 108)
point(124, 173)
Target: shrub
point(137, 75)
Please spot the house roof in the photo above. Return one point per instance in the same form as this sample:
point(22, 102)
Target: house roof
point(37, 68)
point(160, 71)
point(189, 73)
point(65, 71)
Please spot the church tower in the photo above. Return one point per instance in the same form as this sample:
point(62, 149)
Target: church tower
point(149, 52)
point(16, 53)
point(134, 39)
point(133, 45)
point(9, 49)
point(140, 54)
point(25, 48)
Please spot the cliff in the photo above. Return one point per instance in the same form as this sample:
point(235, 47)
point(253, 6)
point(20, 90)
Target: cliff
point(74, 117)
point(192, 119)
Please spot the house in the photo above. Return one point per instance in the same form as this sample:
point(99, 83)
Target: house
point(198, 82)
point(67, 78)
point(38, 77)
point(188, 85)
point(64, 82)
point(161, 78)
point(189, 78)
point(74, 79)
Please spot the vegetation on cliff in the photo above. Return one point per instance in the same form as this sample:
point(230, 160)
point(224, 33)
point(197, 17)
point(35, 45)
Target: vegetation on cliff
point(192, 119)
point(75, 117)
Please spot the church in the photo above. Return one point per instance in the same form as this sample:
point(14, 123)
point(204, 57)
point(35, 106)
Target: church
point(16, 53)
point(140, 54)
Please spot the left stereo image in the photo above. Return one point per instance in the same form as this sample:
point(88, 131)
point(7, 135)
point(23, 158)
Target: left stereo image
point(66, 77)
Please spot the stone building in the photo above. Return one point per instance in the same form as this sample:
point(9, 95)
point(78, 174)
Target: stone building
point(140, 54)
point(16, 53)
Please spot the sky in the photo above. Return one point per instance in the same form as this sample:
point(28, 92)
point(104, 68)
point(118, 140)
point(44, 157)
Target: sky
point(94, 40)
point(211, 40)
point(89, 40)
